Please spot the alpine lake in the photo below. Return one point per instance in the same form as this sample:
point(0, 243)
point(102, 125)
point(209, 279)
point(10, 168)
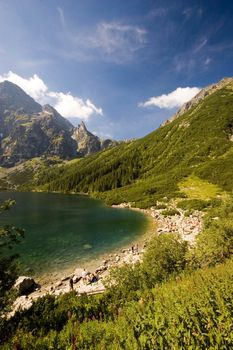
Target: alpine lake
point(65, 230)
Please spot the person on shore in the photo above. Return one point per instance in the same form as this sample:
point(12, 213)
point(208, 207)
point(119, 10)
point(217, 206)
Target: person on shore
point(84, 274)
point(71, 282)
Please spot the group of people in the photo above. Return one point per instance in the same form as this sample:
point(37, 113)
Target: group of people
point(86, 276)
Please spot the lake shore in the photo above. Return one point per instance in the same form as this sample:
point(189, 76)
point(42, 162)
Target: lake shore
point(58, 284)
point(93, 264)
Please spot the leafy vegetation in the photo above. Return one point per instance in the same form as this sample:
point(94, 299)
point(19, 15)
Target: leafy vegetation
point(25, 175)
point(215, 244)
point(9, 235)
point(195, 204)
point(170, 212)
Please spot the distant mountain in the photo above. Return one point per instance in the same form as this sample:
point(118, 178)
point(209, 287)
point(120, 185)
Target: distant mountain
point(28, 130)
point(197, 142)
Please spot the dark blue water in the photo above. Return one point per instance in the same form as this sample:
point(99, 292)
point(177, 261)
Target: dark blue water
point(63, 230)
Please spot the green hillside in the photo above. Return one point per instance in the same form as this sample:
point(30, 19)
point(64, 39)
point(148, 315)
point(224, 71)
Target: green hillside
point(199, 142)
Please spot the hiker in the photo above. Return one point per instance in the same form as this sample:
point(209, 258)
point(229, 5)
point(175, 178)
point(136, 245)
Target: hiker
point(84, 274)
point(71, 283)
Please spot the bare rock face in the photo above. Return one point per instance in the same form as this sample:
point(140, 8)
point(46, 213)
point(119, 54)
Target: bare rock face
point(28, 130)
point(24, 284)
point(87, 143)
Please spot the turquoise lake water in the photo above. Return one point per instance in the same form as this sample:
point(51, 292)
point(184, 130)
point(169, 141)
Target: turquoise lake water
point(66, 230)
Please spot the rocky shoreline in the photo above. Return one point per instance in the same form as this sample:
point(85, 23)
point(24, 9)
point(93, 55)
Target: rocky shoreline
point(84, 281)
point(91, 280)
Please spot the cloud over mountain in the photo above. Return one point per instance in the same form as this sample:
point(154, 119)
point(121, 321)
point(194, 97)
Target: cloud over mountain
point(173, 99)
point(65, 103)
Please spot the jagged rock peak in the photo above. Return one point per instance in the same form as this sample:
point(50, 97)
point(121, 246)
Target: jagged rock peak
point(82, 126)
point(29, 130)
point(208, 90)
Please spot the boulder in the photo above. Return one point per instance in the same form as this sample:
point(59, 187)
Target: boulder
point(24, 284)
point(78, 274)
point(101, 268)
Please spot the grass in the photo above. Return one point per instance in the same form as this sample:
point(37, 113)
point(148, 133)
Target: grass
point(196, 188)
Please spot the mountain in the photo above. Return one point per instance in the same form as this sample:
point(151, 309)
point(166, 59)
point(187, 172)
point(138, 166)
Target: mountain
point(197, 143)
point(14, 99)
point(87, 143)
point(30, 130)
point(199, 97)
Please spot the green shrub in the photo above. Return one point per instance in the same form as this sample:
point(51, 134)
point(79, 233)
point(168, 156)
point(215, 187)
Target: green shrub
point(195, 204)
point(215, 243)
point(170, 212)
point(164, 257)
point(160, 206)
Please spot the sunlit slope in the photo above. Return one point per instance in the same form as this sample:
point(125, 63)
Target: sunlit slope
point(198, 142)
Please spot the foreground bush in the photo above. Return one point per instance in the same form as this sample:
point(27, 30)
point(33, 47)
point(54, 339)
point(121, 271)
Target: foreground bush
point(194, 312)
point(215, 243)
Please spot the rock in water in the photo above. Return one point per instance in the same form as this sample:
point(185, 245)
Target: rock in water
point(24, 284)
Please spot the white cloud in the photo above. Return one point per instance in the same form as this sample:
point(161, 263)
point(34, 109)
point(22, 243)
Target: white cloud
point(66, 104)
point(174, 99)
point(33, 86)
point(72, 106)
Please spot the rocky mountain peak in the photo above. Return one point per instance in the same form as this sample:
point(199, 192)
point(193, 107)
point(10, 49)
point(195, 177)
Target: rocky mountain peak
point(13, 98)
point(29, 130)
point(82, 126)
point(87, 143)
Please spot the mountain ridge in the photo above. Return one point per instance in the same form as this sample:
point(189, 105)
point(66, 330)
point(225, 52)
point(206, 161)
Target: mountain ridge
point(30, 130)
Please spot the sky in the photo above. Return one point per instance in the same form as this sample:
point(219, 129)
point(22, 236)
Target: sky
point(123, 67)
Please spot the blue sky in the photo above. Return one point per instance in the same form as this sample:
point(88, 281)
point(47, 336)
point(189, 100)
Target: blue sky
point(121, 66)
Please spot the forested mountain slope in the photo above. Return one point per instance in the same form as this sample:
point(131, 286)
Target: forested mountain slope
point(197, 142)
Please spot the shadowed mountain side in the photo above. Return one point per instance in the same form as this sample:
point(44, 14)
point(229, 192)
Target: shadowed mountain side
point(29, 130)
